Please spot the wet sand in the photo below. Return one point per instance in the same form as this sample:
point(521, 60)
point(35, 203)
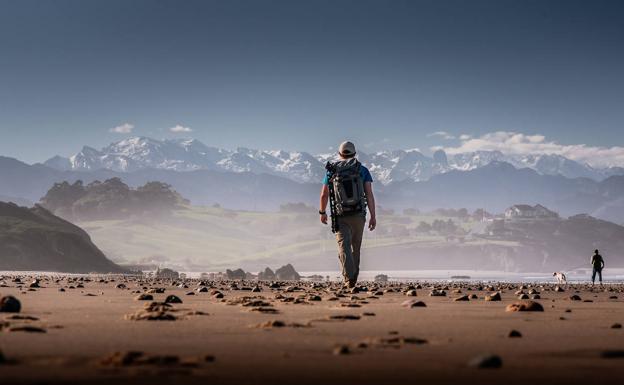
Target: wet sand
point(285, 335)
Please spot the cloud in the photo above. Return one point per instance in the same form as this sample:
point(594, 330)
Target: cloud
point(125, 128)
point(179, 128)
point(514, 143)
point(441, 134)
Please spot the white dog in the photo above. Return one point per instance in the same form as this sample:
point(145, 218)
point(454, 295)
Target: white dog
point(561, 278)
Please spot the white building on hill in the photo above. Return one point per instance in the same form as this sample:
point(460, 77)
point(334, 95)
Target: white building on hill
point(520, 212)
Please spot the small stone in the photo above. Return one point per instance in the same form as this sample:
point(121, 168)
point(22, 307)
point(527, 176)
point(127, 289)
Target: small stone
point(10, 304)
point(411, 293)
point(514, 334)
point(341, 350)
point(488, 361)
point(525, 306)
point(461, 298)
point(616, 326)
point(536, 296)
point(523, 296)
point(558, 289)
point(575, 298)
point(144, 297)
point(412, 303)
point(437, 293)
point(173, 299)
point(612, 354)
point(493, 297)
point(27, 329)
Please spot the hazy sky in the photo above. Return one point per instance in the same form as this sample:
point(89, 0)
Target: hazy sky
point(303, 75)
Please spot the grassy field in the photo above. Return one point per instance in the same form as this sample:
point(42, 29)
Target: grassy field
point(214, 238)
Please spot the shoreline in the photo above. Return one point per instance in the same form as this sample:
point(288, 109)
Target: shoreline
point(306, 332)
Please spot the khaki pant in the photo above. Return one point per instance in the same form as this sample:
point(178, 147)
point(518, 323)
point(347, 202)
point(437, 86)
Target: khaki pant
point(349, 237)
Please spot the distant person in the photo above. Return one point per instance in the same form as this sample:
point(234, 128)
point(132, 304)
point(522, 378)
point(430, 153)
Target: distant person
point(597, 265)
point(348, 188)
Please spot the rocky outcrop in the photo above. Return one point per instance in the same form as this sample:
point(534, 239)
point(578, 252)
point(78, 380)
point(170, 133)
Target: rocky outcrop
point(287, 273)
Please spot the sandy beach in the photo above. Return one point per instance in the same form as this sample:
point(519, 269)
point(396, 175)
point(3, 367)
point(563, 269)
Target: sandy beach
point(296, 332)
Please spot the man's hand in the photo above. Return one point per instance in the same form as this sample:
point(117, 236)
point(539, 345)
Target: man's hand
point(372, 223)
point(324, 219)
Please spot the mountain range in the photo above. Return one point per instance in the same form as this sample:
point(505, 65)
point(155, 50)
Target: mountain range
point(139, 153)
point(264, 180)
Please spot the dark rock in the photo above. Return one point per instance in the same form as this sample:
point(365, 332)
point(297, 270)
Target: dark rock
point(575, 298)
point(173, 299)
point(10, 304)
point(489, 361)
point(612, 354)
point(461, 298)
point(411, 293)
point(514, 334)
point(616, 326)
point(27, 329)
point(342, 350)
point(144, 297)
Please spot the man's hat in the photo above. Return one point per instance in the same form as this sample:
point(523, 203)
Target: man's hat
point(346, 149)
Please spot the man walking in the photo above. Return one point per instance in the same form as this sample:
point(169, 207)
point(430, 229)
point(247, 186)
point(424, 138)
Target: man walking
point(348, 188)
point(597, 266)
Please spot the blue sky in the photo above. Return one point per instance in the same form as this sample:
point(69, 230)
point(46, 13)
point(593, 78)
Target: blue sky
point(303, 75)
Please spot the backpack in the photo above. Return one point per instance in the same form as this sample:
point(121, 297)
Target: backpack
point(346, 187)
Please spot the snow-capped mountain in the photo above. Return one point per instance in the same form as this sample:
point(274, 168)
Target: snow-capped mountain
point(138, 153)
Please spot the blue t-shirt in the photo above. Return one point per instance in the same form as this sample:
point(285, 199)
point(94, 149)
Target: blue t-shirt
point(364, 173)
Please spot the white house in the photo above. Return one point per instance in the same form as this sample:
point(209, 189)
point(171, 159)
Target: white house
point(529, 212)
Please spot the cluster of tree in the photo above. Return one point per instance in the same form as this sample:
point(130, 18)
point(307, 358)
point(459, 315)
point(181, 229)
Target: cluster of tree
point(439, 226)
point(110, 199)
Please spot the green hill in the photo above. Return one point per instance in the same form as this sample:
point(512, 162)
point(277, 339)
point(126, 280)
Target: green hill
point(35, 239)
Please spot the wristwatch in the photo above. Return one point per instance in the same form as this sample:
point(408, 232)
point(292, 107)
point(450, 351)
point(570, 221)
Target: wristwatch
point(322, 212)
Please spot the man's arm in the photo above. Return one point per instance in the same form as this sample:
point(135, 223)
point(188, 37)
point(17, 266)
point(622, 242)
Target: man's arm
point(323, 202)
point(370, 200)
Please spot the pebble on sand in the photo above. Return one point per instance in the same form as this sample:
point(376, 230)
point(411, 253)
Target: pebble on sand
point(462, 298)
point(413, 303)
point(27, 329)
point(173, 299)
point(10, 304)
point(525, 306)
point(493, 297)
point(341, 350)
point(487, 361)
point(144, 297)
point(514, 334)
point(612, 354)
point(616, 326)
point(575, 298)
